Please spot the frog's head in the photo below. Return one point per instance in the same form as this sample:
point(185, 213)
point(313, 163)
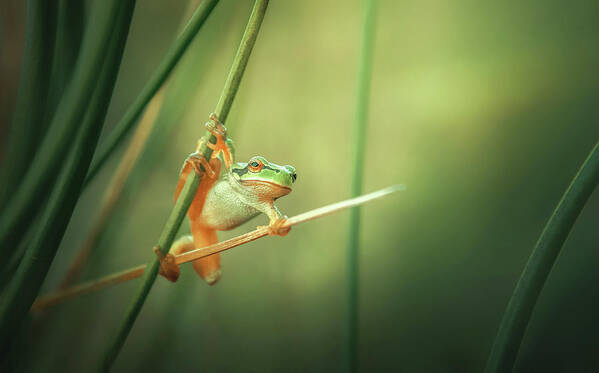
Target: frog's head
point(265, 178)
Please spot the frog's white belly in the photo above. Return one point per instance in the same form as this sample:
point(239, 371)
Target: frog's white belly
point(224, 208)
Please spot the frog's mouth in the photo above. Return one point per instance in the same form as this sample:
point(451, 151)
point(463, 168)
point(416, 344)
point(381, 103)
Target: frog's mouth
point(266, 189)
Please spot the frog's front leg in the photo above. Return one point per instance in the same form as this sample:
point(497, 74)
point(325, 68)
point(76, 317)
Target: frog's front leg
point(223, 144)
point(277, 220)
point(195, 162)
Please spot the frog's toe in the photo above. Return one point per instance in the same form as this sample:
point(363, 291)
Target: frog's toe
point(278, 227)
point(208, 268)
point(170, 273)
point(168, 268)
point(213, 277)
point(197, 161)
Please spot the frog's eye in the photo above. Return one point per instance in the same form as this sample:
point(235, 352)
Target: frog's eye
point(255, 165)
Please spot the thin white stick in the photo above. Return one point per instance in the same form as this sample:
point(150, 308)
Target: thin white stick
point(132, 273)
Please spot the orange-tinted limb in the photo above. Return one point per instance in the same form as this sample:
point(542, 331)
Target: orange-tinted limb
point(208, 267)
point(222, 146)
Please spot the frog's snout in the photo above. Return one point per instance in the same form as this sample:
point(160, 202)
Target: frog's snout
point(292, 172)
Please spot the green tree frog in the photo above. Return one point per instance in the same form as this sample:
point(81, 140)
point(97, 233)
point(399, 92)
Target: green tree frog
point(225, 200)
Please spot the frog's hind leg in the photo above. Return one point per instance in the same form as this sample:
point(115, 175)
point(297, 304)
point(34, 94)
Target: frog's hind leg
point(208, 267)
point(168, 268)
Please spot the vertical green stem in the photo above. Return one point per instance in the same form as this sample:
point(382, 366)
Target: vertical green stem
point(69, 30)
point(193, 180)
point(353, 247)
point(32, 95)
point(38, 181)
point(152, 86)
point(529, 286)
point(24, 286)
point(177, 96)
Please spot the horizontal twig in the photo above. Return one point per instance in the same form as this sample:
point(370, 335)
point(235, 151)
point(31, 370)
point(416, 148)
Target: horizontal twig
point(88, 287)
point(135, 272)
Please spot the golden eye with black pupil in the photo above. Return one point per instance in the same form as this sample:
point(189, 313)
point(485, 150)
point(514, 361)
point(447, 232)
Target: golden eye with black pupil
point(255, 165)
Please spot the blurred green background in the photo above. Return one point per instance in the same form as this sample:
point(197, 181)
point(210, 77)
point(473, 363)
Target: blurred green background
point(485, 110)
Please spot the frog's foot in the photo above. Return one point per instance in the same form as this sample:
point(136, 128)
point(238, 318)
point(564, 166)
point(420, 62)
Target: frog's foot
point(216, 128)
point(201, 142)
point(168, 268)
point(197, 161)
point(277, 227)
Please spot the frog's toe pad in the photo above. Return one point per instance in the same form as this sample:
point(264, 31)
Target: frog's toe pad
point(278, 228)
point(168, 268)
point(213, 277)
point(172, 276)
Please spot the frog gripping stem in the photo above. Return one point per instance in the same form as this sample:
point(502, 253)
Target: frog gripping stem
point(219, 131)
point(197, 161)
point(168, 268)
point(215, 127)
point(278, 227)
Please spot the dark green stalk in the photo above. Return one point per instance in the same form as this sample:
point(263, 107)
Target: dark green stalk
point(353, 242)
point(177, 96)
point(193, 180)
point(68, 41)
point(11, 264)
point(24, 286)
point(169, 62)
point(23, 205)
point(529, 286)
point(27, 127)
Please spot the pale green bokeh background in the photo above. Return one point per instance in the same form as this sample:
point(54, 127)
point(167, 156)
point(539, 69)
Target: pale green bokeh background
point(484, 110)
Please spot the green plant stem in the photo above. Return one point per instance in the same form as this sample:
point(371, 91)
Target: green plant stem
point(359, 138)
point(25, 284)
point(546, 250)
point(193, 180)
point(169, 62)
point(39, 180)
point(32, 95)
point(176, 97)
point(69, 30)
